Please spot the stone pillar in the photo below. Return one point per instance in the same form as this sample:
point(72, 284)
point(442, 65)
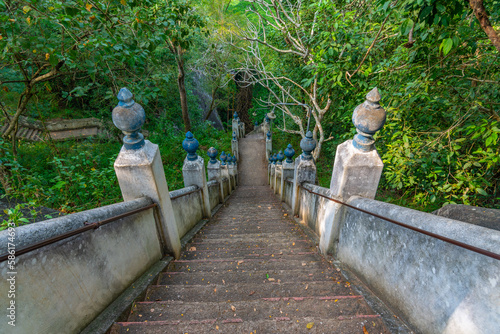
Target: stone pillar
point(234, 146)
point(273, 171)
point(235, 127)
point(242, 128)
point(224, 170)
point(357, 168)
point(193, 171)
point(269, 164)
point(230, 168)
point(305, 169)
point(278, 171)
point(269, 144)
point(139, 169)
point(287, 169)
point(214, 171)
point(266, 125)
point(236, 174)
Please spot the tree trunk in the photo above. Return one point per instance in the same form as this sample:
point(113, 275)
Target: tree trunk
point(482, 16)
point(182, 90)
point(244, 98)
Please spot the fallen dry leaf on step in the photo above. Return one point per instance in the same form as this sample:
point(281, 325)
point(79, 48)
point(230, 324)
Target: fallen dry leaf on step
point(364, 330)
point(251, 293)
point(310, 325)
point(233, 308)
point(271, 279)
point(239, 262)
point(192, 249)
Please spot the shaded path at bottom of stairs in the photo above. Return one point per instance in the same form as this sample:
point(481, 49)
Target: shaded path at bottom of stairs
point(251, 269)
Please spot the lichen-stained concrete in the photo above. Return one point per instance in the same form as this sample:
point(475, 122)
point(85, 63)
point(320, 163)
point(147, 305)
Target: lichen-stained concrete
point(252, 269)
point(438, 287)
point(61, 287)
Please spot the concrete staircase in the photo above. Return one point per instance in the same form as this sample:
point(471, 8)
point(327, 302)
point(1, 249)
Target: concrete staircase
point(251, 269)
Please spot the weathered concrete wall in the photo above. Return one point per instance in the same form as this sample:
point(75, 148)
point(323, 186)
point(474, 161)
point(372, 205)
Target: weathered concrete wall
point(314, 210)
point(288, 185)
point(61, 287)
point(437, 287)
point(188, 209)
point(225, 183)
point(278, 183)
point(213, 190)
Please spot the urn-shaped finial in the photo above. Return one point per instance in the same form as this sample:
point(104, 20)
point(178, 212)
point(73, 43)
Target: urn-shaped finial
point(368, 118)
point(190, 145)
point(234, 159)
point(212, 154)
point(235, 115)
point(307, 144)
point(129, 117)
point(275, 158)
point(268, 135)
point(229, 159)
point(223, 158)
point(280, 157)
point(289, 153)
point(267, 119)
point(256, 124)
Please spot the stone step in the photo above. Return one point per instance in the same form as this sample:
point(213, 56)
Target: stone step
point(248, 264)
point(248, 233)
point(341, 325)
point(252, 276)
point(249, 291)
point(264, 309)
point(241, 254)
point(303, 245)
point(248, 229)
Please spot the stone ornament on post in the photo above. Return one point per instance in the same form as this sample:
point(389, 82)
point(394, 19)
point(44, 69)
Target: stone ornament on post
point(139, 169)
point(193, 171)
point(287, 169)
point(357, 168)
point(129, 117)
point(305, 169)
point(214, 171)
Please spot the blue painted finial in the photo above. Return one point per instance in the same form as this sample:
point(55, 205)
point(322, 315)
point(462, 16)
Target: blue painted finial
point(190, 145)
point(275, 158)
point(234, 159)
point(129, 117)
point(212, 154)
point(223, 158)
point(280, 157)
point(368, 118)
point(256, 124)
point(235, 115)
point(269, 135)
point(267, 119)
point(307, 144)
point(289, 153)
point(229, 159)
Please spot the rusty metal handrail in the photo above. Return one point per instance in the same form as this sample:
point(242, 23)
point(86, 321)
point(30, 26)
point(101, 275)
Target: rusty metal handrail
point(416, 229)
point(87, 227)
point(185, 194)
